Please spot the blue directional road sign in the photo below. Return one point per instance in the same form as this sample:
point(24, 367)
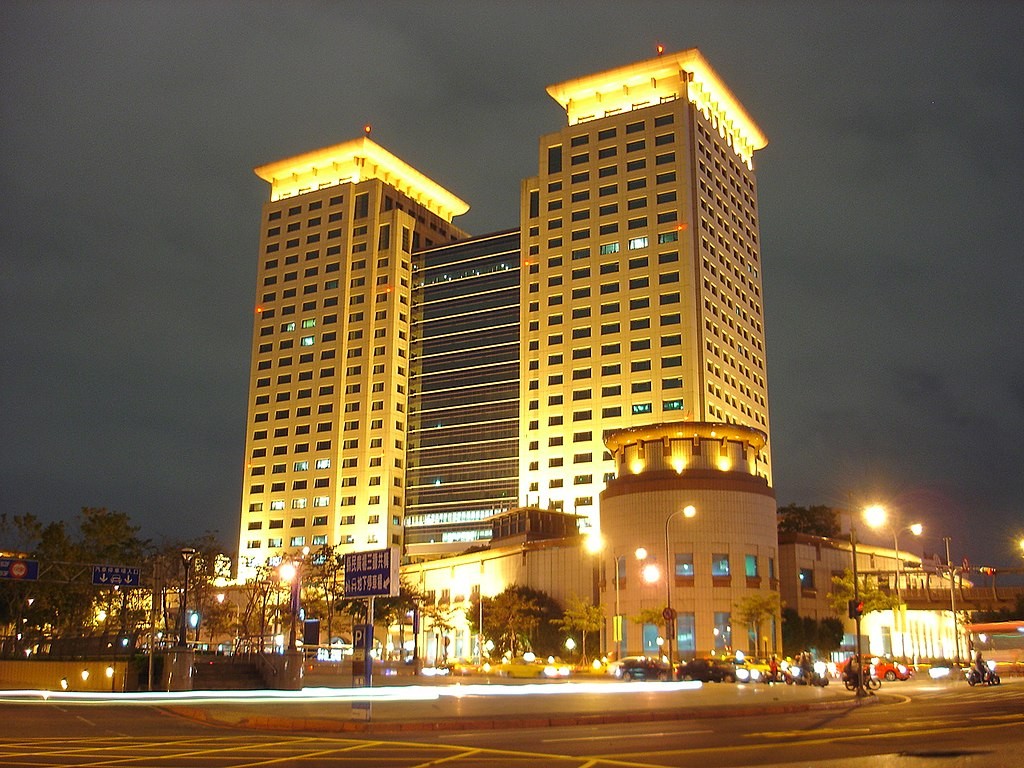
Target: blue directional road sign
point(19, 569)
point(115, 576)
point(372, 574)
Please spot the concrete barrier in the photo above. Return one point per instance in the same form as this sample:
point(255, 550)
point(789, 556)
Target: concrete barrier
point(92, 676)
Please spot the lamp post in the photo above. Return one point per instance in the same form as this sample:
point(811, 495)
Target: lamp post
point(188, 554)
point(617, 635)
point(670, 615)
point(915, 529)
point(856, 619)
point(876, 517)
point(952, 602)
point(291, 572)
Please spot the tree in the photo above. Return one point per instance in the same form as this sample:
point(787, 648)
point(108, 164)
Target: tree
point(393, 611)
point(817, 520)
point(521, 619)
point(581, 616)
point(514, 614)
point(442, 622)
point(325, 577)
point(108, 537)
point(1016, 613)
point(19, 535)
point(794, 637)
point(653, 616)
point(830, 634)
point(875, 599)
point(754, 609)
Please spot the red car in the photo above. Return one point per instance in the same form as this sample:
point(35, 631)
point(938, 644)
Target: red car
point(880, 668)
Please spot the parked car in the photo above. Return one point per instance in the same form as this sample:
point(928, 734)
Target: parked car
point(640, 668)
point(878, 667)
point(528, 665)
point(707, 670)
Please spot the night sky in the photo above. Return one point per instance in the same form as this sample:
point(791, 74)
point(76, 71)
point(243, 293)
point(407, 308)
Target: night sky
point(891, 205)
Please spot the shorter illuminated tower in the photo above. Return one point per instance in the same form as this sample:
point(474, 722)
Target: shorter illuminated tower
point(327, 421)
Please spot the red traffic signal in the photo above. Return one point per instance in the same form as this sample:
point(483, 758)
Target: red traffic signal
point(856, 608)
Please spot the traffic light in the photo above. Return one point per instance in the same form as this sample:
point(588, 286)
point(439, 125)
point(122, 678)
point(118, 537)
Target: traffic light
point(856, 609)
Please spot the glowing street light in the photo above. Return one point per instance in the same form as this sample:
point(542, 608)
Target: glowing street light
point(290, 571)
point(877, 517)
point(640, 554)
point(650, 573)
point(689, 511)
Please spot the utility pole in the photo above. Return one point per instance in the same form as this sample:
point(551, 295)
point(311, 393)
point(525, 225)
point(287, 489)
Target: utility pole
point(952, 601)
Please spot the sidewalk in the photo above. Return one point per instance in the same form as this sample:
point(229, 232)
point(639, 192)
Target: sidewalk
point(481, 705)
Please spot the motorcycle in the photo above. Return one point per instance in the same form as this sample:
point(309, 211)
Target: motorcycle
point(871, 682)
point(974, 677)
point(797, 676)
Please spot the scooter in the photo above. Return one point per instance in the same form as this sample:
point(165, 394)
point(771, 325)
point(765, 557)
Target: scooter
point(974, 677)
point(797, 676)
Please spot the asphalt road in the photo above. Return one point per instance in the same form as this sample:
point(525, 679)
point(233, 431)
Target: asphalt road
point(916, 724)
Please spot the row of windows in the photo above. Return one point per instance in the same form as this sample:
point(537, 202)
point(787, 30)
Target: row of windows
point(327, 389)
point(719, 566)
point(296, 522)
point(314, 205)
point(607, 390)
point(584, 332)
point(607, 134)
point(355, 265)
point(608, 190)
point(319, 540)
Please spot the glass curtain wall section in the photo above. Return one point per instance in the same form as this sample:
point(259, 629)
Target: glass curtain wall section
point(464, 392)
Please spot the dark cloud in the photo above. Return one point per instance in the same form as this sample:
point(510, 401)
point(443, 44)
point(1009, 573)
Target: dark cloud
point(890, 203)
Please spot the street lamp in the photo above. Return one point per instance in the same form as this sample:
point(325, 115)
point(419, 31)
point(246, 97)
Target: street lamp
point(188, 554)
point(876, 517)
point(290, 572)
point(871, 513)
point(670, 615)
point(640, 554)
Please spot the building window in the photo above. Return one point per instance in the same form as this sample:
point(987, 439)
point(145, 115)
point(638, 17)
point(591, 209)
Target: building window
point(684, 565)
point(750, 563)
point(723, 630)
point(720, 564)
point(806, 578)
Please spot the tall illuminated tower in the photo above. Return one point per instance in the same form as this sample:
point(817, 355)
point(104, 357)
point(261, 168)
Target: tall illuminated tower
point(326, 428)
point(641, 288)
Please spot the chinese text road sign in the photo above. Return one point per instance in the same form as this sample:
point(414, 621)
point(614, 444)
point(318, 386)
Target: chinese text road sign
point(372, 574)
point(115, 576)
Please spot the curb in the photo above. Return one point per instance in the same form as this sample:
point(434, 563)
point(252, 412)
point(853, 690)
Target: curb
point(325, 725)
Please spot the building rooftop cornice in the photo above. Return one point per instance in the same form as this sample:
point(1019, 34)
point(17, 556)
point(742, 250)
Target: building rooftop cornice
point(354, 161)
point(663, 78)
